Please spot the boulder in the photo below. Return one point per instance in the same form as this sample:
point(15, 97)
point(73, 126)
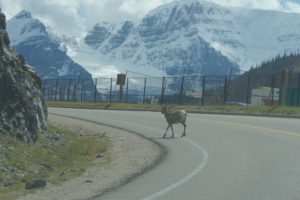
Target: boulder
point(35, 184)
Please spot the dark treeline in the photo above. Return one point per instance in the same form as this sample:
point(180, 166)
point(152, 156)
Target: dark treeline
point(277, 64)
point(266, 74)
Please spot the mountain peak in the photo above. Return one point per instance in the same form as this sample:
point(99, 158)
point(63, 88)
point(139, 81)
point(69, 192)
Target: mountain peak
point(204, 6)
point(24, 14)
point(22, 27)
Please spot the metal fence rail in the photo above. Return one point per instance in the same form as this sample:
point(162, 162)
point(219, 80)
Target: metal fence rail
point(256, 89)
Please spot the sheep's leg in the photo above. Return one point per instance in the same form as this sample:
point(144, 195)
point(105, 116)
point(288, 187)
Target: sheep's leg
point(183, 134)
point(166, 131)
point(172, 130)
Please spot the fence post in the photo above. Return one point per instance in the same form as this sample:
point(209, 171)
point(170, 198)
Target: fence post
point(50, 92)
point(248, 89)
point(95, 90)
point(44, 85)
point(60, 92)
point(56, 88)
point(121, 93)
point(203, 90)
point(127, 82)
point(85, 93)
point(284, 87)
point(69, 90)
point(75, 92)
point(163, 90)
point(272, 89)
point(298, 91)
point(225, 90)
point(81, 95)
point(144, 95)
point(182, 88)
point(63, 89)
point(110, 90)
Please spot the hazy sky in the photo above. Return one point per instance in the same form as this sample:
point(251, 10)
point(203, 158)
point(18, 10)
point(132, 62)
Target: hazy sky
point(74, 16)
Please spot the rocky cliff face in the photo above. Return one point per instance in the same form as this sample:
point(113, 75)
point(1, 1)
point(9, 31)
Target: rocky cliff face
point(22, 110)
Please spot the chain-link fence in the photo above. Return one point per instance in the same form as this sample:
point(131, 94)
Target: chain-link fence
point(245, 89)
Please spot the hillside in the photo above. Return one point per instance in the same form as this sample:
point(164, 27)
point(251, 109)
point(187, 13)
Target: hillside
point(267, 74)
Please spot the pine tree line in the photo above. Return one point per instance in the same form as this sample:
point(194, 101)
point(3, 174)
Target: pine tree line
point(266, 74)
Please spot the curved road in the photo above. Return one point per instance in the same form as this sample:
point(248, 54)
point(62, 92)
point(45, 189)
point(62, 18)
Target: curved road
point(222, 157)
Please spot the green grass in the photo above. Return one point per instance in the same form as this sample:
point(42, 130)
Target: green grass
point(269, 110)
point(255, 109)
point(98, 105)
point(53, 162)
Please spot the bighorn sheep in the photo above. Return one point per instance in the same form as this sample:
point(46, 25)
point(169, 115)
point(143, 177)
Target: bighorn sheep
point(174, 117)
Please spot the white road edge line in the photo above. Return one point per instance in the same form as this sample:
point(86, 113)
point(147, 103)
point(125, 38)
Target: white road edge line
point(176, 184)
point(186, 178)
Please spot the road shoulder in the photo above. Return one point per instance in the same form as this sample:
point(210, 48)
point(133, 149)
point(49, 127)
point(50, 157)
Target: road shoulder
point(130, 155)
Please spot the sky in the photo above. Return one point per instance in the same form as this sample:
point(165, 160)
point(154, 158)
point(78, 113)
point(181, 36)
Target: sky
point(72, 17)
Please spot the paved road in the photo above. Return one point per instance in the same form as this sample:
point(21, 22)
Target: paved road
point(222, 157)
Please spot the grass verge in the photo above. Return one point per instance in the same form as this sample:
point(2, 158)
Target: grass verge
point(57, 155)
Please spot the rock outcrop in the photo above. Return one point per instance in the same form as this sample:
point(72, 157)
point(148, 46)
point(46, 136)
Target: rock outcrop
point(23, 113)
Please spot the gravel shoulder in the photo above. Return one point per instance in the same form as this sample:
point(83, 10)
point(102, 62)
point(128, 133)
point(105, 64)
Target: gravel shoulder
point(129, 155)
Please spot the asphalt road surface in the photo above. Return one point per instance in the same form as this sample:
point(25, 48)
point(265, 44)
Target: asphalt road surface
point(222, 157)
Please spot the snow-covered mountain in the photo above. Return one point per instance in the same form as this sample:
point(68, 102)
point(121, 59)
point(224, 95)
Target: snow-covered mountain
point(265, 34)
point(165, 42)
point(31, 39)
point(193, 36)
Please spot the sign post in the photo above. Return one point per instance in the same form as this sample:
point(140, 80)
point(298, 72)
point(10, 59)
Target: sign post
point(121, 82)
